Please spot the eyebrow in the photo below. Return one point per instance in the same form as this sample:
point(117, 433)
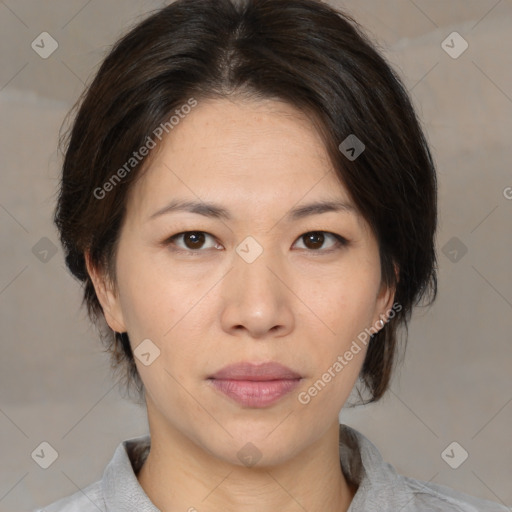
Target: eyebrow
point(216, 211)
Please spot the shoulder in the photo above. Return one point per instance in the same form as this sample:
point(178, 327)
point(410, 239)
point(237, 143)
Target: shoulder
point(429, 496)
point(118, 489)
point(382, 489)
point(89, 499)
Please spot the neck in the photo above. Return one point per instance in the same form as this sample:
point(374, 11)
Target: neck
point(179, 475)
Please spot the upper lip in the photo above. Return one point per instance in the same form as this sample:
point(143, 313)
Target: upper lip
point(256, 372)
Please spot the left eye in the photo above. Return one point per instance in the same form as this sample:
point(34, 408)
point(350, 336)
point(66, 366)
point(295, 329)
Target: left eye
point(315, 239)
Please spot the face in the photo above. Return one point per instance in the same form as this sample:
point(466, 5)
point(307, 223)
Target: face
point(254, 279)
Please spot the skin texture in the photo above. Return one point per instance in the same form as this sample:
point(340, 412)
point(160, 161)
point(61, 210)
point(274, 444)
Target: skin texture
point(299, 303)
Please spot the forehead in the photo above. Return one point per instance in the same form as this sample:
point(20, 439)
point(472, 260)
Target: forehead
point(240, 153)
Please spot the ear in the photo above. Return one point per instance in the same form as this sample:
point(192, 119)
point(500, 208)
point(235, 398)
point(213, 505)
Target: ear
point(385, 299)
point(107, 295)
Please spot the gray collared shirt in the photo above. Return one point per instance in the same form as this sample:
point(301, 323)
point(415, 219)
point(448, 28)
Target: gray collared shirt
point(380, 487)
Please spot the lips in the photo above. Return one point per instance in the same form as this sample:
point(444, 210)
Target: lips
point(256, 372)
point(255, 385)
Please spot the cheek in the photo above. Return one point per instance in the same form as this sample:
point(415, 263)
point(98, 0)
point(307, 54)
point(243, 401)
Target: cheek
point(151, 298)
point(336, 356)
point(169, 313)
point(343, 301)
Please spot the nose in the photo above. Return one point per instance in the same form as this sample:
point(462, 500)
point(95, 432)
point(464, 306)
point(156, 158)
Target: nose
point(257, 299)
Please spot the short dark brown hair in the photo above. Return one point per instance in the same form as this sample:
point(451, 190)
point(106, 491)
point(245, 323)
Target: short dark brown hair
point(302, 52)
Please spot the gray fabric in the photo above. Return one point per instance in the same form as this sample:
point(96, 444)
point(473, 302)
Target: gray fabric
point(380, 487)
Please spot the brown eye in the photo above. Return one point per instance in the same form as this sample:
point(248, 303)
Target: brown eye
point(314, 240)
point(191, 242)
point(193, 239)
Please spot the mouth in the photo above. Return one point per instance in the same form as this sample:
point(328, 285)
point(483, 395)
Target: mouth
point(255, 385)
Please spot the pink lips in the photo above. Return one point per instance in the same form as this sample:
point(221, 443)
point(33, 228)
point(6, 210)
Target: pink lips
point(255, 385)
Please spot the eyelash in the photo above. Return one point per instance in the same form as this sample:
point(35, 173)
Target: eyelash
point(340, 242)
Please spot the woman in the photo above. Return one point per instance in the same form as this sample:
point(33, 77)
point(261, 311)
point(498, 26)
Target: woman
point(250, 202)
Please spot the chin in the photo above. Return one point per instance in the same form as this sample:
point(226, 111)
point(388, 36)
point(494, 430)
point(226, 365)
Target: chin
point(258, 444)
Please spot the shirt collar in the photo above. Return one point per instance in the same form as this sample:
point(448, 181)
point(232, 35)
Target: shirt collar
point(360, 461)
point(121, 489)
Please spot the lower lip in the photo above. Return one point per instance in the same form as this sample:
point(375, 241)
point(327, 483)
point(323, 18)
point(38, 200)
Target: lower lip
point(255, 393)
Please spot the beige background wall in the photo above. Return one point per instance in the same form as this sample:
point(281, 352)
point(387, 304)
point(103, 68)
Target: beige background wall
point(455, 384)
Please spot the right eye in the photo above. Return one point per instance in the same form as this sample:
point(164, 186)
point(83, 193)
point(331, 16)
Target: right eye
point(192, 242)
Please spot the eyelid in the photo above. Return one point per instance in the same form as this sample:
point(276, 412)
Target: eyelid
point(170, 240)
point(340, 241)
